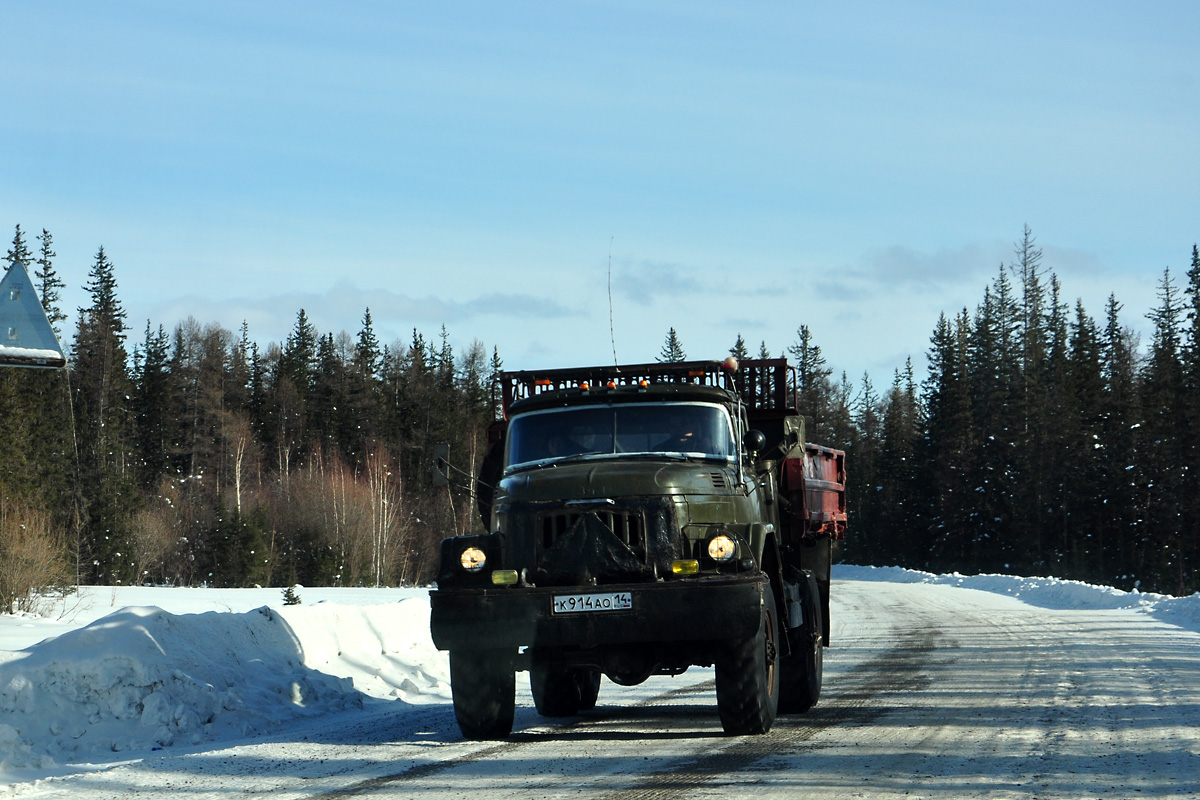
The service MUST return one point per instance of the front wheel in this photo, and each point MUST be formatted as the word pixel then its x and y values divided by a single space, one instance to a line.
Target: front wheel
pixel 484 690
pixel 748 676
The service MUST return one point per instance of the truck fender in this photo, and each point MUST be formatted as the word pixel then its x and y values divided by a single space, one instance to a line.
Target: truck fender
pixel 770 563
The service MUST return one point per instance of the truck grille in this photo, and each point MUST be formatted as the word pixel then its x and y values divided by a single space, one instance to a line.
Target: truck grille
pixel 628 528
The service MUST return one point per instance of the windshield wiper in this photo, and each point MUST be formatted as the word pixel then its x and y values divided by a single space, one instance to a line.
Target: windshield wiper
pixel 676 455
pixel 554 461
pixel 638 456
pixel 648 455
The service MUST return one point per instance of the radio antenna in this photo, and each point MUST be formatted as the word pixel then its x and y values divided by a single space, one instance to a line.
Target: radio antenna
pixel 611 331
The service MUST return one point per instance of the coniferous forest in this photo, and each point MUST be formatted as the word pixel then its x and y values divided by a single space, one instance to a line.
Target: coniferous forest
pixel 1040 441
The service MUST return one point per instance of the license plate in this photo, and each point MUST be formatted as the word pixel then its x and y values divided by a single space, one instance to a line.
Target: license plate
pixel 573 603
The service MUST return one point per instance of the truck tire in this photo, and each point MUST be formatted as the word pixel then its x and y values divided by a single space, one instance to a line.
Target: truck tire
pixel 589 688
pixel 748 676
pixel 825 625
pixel 564 692
pixel 484 689
pixel 555 691
pixel 801 670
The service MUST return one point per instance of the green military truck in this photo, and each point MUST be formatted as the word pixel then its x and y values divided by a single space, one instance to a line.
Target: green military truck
pixel 642 520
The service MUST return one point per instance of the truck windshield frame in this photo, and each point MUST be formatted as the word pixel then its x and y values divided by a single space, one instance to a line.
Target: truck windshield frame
pixel 613 431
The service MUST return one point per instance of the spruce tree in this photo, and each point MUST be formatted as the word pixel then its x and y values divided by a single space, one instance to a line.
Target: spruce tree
pixel 19 250
pixel 860 495
pixel 672 349
pixel 258 393
pixel 1085 452
pixel 444 362
pixel 328 411
pixel 48 282
pixel 1162 538
pixel 419 357
pixel 362 386
pixel 812 378
pixel 292 387
pixel 473 379
pixel 991 381
pixel 953 532
pixel 494 372
pixel 1061 433
pixel 1191 413
pixel 1121 428
pixel 842 432
pixel 366 353
pixel 1032 480
pixel 1191 343
pixel 739 350
pixel 237 388
pixel 1028 267
pixel 152 404
pixel 298 361
pixel 101 387
pixel 901 504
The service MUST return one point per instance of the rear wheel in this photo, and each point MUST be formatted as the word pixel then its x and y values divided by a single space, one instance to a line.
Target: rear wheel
pixel 564 692
pixel 748 676
pixel 555 691
pixel 484 690
pixel 800 681
pixel 589 688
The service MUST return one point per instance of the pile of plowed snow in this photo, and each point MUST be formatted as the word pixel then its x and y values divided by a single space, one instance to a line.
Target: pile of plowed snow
pixel 142 679
pixel 1056 593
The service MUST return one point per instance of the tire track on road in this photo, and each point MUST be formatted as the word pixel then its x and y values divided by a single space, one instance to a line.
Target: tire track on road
pixel 899 669
pixel 850 703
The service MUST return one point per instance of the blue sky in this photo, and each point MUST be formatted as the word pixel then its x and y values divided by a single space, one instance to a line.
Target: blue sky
pixel 743 168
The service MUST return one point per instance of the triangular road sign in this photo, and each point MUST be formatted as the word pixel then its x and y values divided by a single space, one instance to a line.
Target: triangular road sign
pixel 26 336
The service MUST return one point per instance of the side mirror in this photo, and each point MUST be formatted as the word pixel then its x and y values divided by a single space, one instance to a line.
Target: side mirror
pixel 441 464
pixel 754 442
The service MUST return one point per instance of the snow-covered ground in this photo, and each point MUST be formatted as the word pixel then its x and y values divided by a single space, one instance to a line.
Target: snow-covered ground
pixel 112 676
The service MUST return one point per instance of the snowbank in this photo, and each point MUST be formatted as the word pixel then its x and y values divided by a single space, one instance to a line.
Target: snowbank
pixel 1054 593
pixel 142 679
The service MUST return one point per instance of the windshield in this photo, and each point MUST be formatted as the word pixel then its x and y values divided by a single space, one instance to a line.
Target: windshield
pixel 689 429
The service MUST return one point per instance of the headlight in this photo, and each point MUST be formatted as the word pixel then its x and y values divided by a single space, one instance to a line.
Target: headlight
pixel 473 559
pixel 721 548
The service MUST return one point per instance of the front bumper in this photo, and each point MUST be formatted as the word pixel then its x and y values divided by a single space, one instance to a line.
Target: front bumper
pixel 697 610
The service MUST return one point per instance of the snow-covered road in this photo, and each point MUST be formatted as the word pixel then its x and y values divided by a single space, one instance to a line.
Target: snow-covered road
pixel 930 691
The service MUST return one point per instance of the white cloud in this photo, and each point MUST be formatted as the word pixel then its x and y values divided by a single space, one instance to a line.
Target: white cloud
pixel 647 281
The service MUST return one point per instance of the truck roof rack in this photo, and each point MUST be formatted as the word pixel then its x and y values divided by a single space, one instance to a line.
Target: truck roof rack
pixel 766 385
